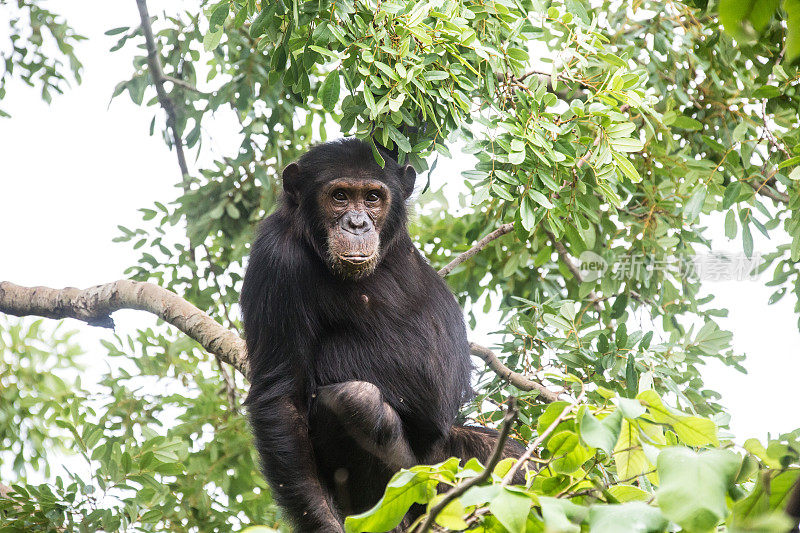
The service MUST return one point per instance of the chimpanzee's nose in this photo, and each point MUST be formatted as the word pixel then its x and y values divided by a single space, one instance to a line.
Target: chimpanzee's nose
pixel 356 222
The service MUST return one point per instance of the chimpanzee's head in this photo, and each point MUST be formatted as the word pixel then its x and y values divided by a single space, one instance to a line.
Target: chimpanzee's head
pixel 350 207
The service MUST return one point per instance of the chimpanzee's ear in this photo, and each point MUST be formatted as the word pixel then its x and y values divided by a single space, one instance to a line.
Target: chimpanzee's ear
pixel 291 181
pixel 408 176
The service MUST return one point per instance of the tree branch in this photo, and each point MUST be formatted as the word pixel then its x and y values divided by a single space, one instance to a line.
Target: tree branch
pixel 515 378
pixel 95 305
pixel 159 78
pixel 764 190
pixel 563 254
pixel 538 440
pixel 480 245
pixel 535 444
pixel 157 74
pixel 497 453
pixel 182 83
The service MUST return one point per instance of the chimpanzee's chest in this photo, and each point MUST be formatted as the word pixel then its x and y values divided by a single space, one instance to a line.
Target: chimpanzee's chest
pixel 385 340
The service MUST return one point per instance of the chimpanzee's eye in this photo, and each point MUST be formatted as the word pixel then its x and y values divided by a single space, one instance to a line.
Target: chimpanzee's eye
pixel 373 196
pixel 339 195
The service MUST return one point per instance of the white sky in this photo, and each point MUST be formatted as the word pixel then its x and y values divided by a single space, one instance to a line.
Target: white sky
pixel 72 171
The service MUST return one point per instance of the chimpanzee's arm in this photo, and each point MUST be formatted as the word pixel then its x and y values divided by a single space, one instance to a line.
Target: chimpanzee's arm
pixel 281 433
pixel 360 409
pixel 280 332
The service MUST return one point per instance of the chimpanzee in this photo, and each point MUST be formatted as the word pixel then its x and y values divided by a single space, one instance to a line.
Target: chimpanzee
pixel 358 353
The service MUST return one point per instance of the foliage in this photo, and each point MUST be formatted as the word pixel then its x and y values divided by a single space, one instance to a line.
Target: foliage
pixel 33 32
pixel 600 130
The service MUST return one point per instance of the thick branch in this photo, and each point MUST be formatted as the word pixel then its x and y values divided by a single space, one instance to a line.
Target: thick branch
pixel 480 245
pixel 95 305
pixel 157 74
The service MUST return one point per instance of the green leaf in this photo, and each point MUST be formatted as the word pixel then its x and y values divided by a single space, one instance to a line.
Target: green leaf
pixel 452 516
pixel 211 40
pixel 377 154
pixel 789 162
pixel 399 138
pixel 540 198
pixel 747 240
pixel 601 434
pixel 766 91
pixel 626 144
pixel 527 214
pixel 771 493
pixel 562 515
pixel 627 493
pixel 691 430
pixel 695 204
pixel 731 194
pixel 370 101
pixel 516 158
pixel 501 192
pixel 694 486
pixel 329 91
pixel 792 8
pixel 627 167
pixel 633 517
pixel 511 509
pixel 219 15
pixel 730 224
pixel 406 488
pixel 262 21
pixel 567 452
pixel 686 123
pixel 628 454
pixel 631 377
pixel 324 51
pixel 740 131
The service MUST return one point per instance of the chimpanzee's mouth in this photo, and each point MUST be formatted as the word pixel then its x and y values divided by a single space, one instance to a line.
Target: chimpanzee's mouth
pixel 356 259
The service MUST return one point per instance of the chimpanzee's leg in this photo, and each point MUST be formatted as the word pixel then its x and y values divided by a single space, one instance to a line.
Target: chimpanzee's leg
pixel 466 442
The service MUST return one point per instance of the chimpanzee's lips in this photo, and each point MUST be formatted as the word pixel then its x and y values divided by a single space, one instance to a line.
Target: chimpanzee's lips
pixel 356 258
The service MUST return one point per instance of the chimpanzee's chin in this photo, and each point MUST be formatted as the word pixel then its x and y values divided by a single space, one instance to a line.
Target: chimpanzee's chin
pixel 353 268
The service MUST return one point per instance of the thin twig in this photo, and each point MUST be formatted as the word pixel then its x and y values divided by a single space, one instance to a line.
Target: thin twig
pixel 538 440
pixel 491 359
pixel 157 74
pixel 480 245
pixel 182 83
pixel 515 378
pixel 159 78
pixel 764 190
pixel 563 254
pixel 497 453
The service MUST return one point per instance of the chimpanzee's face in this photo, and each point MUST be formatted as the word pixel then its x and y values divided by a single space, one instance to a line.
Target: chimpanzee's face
pixel 354 210
pixel 350 208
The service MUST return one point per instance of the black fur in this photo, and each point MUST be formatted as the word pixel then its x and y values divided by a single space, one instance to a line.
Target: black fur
pixel 399 328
